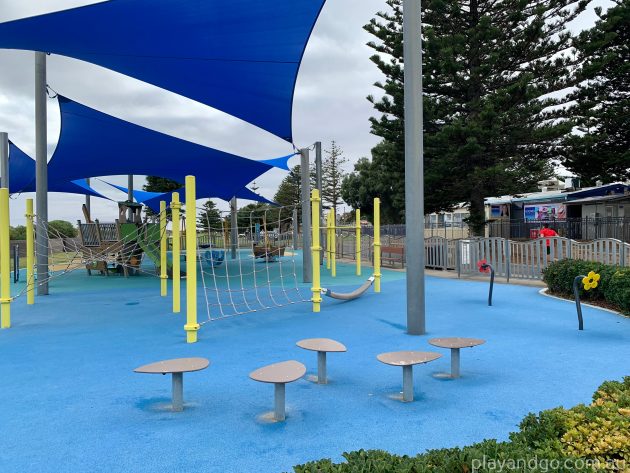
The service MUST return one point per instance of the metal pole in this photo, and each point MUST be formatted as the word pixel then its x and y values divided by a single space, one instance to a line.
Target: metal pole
pixel 4 160
pixel 321 368
pixel 87 199
pixel 41 173
pixel 294 219
pixel 130 196
pixel 318 184
pixel 234 227
pixel 307 260
pixel 414 168
pixel 178 392
pixel 407 383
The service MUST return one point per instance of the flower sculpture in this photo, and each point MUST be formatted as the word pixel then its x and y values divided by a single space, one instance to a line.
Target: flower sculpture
pixel 483 266
pixel 590 281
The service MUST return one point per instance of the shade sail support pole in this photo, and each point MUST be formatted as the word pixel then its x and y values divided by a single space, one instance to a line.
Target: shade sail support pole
pixel 307 259
pixel 234 227
pixel 4 160
pixel 41 173
pixel 318 180
pixel 414 168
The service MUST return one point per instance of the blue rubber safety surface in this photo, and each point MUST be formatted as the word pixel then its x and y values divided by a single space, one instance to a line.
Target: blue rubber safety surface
pixel 70 402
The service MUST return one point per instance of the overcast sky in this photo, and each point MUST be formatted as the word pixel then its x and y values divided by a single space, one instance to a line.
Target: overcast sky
pixel 335 77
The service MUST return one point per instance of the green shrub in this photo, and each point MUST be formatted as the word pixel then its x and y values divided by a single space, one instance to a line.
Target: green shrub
pixel 17 233
pixel 617 289
pixel 61 229
pixel 543 442
pixel 613 287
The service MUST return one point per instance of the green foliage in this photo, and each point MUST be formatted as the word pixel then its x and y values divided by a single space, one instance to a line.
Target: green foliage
pixel 290 190
pixel 613 287
pixel 617 289
pixel 333 175
pixel 209 217
pixel 601 107
pixel 160 184
pixel 17 233
pixel 490 79
pixel 61 229
pixel 548 442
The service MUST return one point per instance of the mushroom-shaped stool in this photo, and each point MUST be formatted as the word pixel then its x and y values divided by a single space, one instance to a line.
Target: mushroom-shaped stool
pixel 177 367
pixel 279 374
pixel 321 346
pixel 407 359
pixel 455 343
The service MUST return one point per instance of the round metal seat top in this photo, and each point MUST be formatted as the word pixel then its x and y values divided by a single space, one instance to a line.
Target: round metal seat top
pixel 284 372
pixel 321 344
pixel 456 342
pixel 177 365
pixel 407 358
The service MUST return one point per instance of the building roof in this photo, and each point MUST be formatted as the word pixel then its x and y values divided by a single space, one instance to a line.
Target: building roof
pixel 615 188
pixel 604 198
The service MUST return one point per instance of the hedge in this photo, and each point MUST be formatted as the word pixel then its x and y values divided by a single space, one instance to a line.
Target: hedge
pixel 613 288
pixel 553 441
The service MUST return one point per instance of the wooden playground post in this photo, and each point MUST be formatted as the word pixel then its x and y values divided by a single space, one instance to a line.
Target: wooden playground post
pixel 163 274
pixel 377 244
pixel 316 289
pixel 5 261
pixel 30 253
pixel 175 206
pixel 357 243
pixel 191 326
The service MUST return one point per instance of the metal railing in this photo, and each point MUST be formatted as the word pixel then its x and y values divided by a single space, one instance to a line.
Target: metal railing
pixel 587 228
pixel 528 259
pixel 509 258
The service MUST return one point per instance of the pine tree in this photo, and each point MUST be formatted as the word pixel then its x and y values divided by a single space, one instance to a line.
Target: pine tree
pixel 601 111
pixel 161 184
pixel 209 217
pixel 290 190
pixel 333 175
pixel 489 66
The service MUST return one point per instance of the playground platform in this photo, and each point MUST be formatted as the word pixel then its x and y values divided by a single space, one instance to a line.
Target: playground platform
pixel 70 401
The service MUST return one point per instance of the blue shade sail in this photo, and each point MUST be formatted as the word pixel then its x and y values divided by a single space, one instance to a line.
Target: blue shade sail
pixel 92 143
pixel 139 195
pixel 22 177
pixel 152 199
pixel 238 56
pixel 281 163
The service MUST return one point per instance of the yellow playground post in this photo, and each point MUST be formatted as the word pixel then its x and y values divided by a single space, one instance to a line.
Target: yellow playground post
pixel 377 244
pixel 191 326
pixel 328 238
pixel 333 244
pixel 175 206
pixel 357 240
pixel 5 261
pixel 316 289
pixel 30 253
pixel 163 274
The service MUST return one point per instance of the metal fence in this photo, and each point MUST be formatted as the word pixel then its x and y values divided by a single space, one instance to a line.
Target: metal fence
pixel 509 258
pixel 586 228
pixel 528 259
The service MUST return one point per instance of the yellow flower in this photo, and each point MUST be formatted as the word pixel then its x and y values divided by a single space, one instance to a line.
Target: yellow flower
pixel 590 281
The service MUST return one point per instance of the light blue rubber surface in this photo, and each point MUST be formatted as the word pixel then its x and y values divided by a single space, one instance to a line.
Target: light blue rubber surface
pixel 69 401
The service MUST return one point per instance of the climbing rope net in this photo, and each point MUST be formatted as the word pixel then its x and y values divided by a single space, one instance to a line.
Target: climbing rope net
pixel 251 266
pixel 100 247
